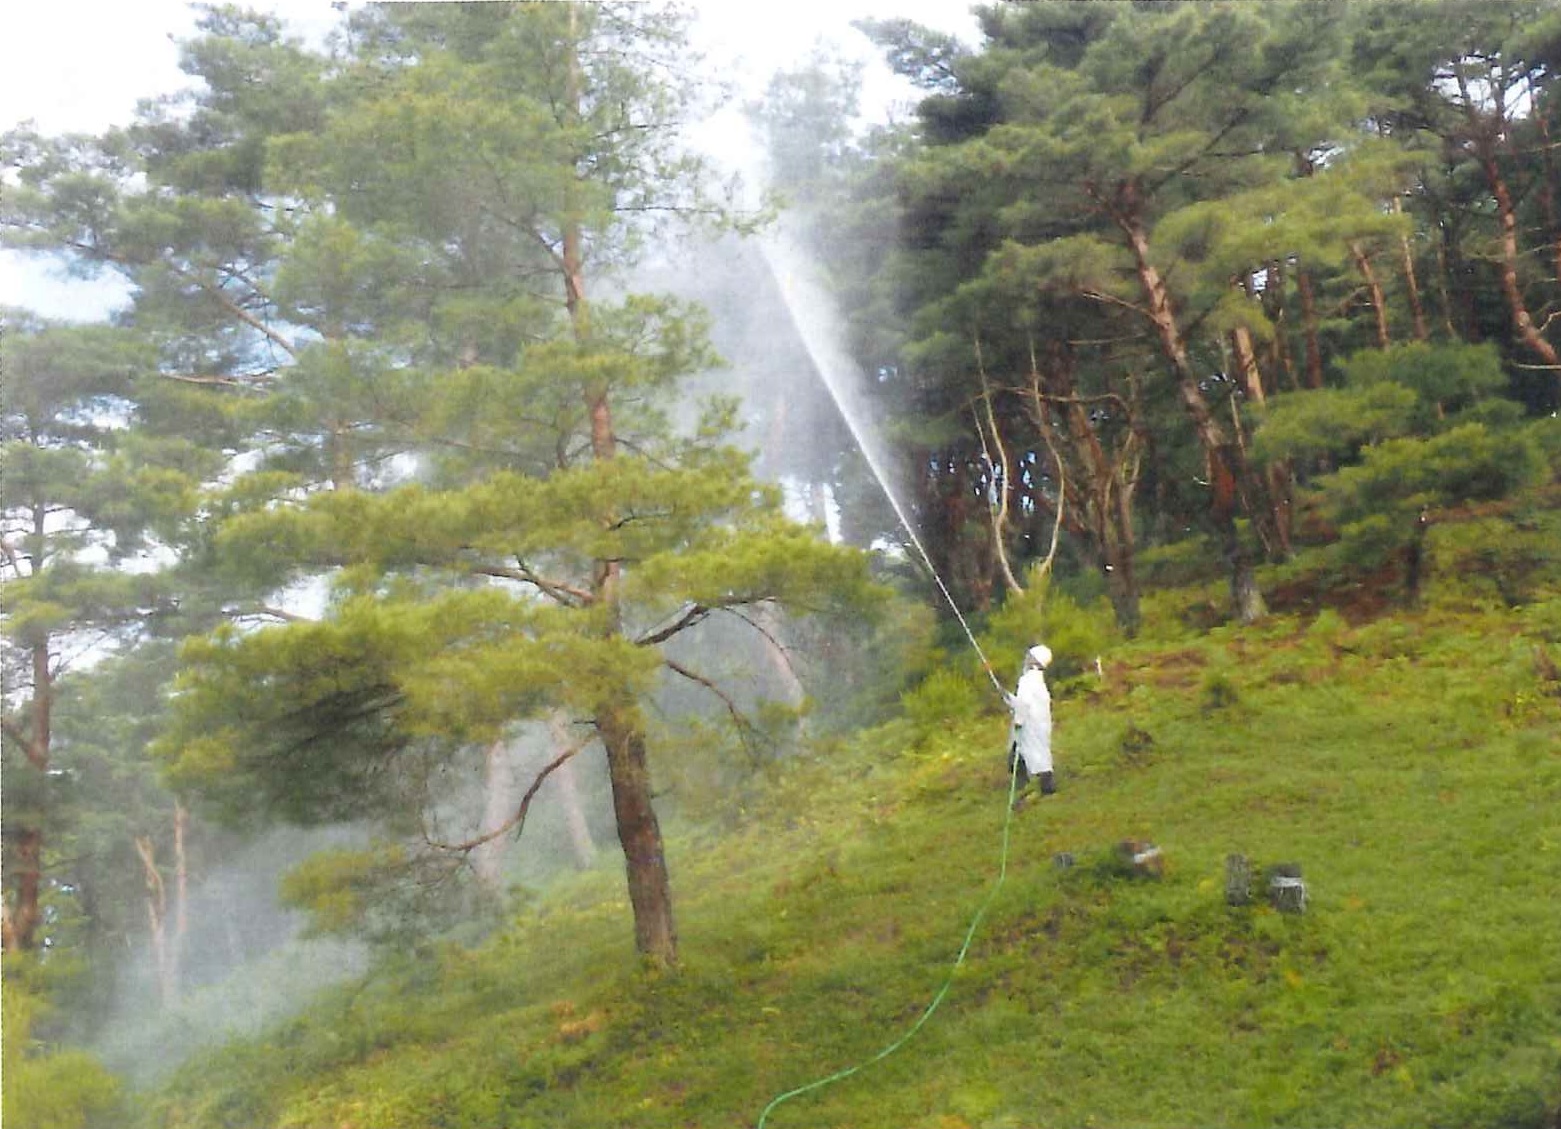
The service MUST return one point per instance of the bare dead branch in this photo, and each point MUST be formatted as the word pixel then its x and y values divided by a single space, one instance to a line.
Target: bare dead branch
pixel 1000 517
pixel 1062 479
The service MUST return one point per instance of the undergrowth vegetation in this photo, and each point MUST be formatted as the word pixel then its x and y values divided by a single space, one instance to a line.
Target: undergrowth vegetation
pixel 1409 763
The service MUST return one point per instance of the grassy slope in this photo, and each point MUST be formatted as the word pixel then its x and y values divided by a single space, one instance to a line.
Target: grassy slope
pixel 1412 766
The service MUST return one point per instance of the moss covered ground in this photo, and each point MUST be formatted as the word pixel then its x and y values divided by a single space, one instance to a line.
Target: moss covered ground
pixel 1410 763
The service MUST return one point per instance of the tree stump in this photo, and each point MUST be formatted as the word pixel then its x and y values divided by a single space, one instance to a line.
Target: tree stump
pixel 1140 859
pixel 1238 880
pixel 1137 746
pixel 1286 891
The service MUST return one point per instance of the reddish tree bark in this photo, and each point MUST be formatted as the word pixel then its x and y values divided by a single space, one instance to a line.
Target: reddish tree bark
pixel 1379 305
pixel 1411 280
pixel 1314 353
pixel 1229 475
pixel 1099 485
pixel 1485 131
pixel 639 834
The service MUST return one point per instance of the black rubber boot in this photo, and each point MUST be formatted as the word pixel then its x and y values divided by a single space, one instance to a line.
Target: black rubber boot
pixel 1016 767
pixel 1048 784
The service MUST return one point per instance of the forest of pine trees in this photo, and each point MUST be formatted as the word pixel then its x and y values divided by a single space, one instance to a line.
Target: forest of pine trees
pixel 389 497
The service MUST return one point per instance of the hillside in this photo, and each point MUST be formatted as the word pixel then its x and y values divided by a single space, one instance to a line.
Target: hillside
pixel 523 401
pixel 1411 764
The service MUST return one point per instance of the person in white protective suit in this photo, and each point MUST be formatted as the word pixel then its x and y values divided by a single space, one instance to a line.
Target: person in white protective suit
pixel 1031 739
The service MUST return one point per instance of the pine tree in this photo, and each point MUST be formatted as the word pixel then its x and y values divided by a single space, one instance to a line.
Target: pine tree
pixel 1474 79
pixel 446 216
pixel 86 490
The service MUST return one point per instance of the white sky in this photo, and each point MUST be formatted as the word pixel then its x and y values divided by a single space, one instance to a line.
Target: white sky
pixel 82 65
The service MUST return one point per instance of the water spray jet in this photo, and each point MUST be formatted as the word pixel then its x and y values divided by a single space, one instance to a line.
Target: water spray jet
pixel 817 325
pixel 812 315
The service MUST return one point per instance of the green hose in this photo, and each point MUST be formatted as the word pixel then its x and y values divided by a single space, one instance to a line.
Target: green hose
pixel 975 922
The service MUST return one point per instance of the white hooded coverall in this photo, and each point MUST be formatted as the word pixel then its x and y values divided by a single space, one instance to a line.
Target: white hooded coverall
pixel 1032 706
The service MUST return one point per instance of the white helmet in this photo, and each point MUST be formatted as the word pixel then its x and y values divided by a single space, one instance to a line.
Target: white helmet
pixel 1038 656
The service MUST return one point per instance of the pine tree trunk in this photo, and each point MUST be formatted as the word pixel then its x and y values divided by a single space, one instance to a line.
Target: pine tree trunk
pixel 1228 469
pixel 1121 583
pixel 581 846
pixel 1547 187
pixel 580 842
pixel 818 504
pixel 1276 474
pixel 1486 134
pixel 1314 353
pixel 639 833
pixel 1100 490
pixel 499 801
pixel 339 453
pixel 1246 365
pixel 1245 597
pixel 157 918
pixel 1281 488
pixel 181 905
pixel 1411 280
pixel 1379 305
pixel 22 916
pixel 1274 307
pixel 650 892
pixel 771 629
pixel 1001 473
pixel 1522 320
pixel 1445 282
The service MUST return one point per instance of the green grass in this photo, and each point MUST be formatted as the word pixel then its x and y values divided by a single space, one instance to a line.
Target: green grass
pixel 1411 765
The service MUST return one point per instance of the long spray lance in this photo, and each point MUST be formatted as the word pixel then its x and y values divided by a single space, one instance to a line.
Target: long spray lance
pixel 815 324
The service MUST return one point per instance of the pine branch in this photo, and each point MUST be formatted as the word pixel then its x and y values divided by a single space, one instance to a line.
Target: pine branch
pixel 769 636
pixel 630 519
pixel 556 590
pixel 216 293
pixel 745 727
pixel 516 822
pixel 221 297
pixel 269 612
pixel 1236 119
pixel 690 615
pixel 1113 300
pixel 1102 398
pixel 241 383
